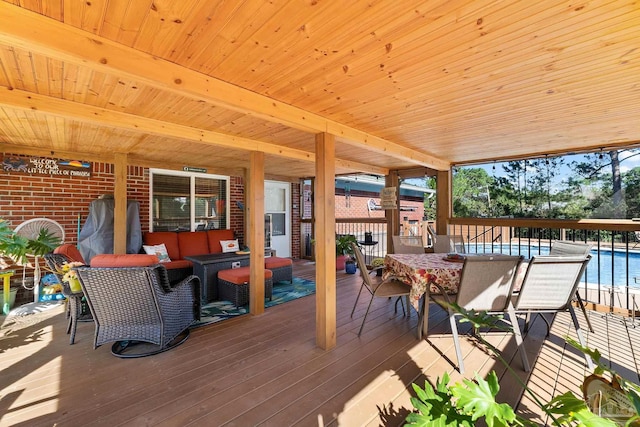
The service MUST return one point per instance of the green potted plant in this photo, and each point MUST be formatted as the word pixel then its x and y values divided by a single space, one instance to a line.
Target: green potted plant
pixel 377 264
pixel 343 249
pixel 14 250
pixel 17 247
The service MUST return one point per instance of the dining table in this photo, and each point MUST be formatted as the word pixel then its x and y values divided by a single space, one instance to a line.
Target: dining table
pixel 423 272
pixel 429 272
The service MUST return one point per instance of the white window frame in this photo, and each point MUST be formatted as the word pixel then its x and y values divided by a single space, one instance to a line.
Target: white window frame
pixel 192 196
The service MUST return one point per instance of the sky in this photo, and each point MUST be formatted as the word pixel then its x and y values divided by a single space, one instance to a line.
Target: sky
pixel 625 166
pixel 565 170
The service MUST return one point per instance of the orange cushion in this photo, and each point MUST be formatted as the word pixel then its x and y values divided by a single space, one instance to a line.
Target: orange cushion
pixel 170 240
pixel 214 237
pixel 71 251
pixel 240 275
pixel 178 263
pixel 129 260
pixel 276 262
pixel 192 243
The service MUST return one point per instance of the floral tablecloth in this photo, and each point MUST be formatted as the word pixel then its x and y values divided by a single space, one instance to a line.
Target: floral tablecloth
pixel 422 270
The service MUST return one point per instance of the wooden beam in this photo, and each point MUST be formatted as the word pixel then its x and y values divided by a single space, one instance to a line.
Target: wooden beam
pixel 255 211
pixel 120 210
pixel 76 111
pixel 115 119
pixel 27 30
pixel 109 158
pixel 443 201
pixel 325 246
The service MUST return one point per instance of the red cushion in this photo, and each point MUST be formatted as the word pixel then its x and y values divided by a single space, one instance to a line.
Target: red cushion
pixel 192 243
pixel 276 262
pixel 240 275
pixel 215 236
pixel 129 260
pixel 71 251
pixel 178 263
pixel 170 240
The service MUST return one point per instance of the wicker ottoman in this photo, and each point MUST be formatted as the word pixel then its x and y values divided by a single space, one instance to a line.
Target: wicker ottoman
pixel 233 285
pixel 282 268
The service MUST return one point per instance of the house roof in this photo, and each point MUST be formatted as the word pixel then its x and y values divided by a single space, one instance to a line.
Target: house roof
pixel 399 83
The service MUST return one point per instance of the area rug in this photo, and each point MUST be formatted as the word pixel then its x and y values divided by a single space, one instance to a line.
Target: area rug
pixel 218 311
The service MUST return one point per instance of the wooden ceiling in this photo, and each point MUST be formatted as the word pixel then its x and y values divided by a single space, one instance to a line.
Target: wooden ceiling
pixel 400 83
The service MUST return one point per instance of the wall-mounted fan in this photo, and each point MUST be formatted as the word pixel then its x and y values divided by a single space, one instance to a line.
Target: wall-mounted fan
pixel 31 230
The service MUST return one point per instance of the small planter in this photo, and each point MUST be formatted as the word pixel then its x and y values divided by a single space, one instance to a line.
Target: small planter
pixel 350 267
pixel 12 298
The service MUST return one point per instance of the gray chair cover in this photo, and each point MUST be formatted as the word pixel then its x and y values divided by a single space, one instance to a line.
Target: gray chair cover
pixel 96 237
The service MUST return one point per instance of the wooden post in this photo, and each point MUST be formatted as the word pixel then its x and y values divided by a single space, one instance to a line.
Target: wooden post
pixel 392 215
pixel 120 209
pixel 255 210
pixel 444 206
pixel 325 229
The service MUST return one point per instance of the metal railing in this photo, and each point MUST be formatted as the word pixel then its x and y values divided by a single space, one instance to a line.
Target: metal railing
pixel 610 278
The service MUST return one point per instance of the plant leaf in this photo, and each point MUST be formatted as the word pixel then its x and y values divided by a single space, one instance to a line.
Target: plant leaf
pixel 478 399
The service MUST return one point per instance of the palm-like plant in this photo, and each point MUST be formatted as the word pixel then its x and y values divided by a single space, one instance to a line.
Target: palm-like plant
pixel 17 247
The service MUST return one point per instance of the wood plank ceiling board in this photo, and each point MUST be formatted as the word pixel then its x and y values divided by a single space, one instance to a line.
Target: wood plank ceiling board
pixel 399 84
pixel 193 84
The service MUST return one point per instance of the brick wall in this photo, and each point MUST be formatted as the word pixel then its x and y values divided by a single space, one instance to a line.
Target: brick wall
pixel 66 200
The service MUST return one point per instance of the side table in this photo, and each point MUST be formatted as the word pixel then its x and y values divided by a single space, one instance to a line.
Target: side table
pixel 368 249
pixel 206 267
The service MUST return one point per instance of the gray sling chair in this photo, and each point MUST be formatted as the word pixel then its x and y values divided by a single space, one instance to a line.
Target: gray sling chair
pixel 445 243
pixel 408 245
pixel 562 248
pixel 549 286
pixel 386 288
pixel 486 283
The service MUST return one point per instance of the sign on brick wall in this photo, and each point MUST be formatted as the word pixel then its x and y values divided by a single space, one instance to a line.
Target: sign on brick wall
pixel 45 166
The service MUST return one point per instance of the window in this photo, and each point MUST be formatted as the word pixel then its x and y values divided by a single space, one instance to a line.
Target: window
pixel 182 201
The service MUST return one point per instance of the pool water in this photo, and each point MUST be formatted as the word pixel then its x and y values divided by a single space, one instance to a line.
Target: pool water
pixel 601 269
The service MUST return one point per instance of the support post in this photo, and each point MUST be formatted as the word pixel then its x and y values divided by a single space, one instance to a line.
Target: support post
pixel 443 205
pixel 255 210
pixel 120 200
pixel 325 229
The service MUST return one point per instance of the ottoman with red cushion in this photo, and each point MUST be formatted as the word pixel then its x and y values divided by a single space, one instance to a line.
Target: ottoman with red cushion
pixel 282 268
pixel 233 285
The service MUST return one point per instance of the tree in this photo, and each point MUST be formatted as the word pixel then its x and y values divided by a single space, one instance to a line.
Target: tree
pixel 631 182
pixel 471 195
pixel 611 201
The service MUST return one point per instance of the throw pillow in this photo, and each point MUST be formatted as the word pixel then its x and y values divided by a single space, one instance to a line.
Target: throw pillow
pixel 230 245
pixel 158 250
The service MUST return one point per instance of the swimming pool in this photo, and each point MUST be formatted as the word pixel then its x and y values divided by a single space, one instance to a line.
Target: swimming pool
pixel 601 269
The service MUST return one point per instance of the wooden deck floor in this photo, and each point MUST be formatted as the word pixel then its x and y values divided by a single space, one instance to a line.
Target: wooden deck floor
pixel 267 370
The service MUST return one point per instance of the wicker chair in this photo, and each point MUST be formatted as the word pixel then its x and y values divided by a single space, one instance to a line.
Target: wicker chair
pixel 55 262
pixel 138 309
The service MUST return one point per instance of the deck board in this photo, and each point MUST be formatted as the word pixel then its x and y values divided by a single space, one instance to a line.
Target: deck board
pixel 266 370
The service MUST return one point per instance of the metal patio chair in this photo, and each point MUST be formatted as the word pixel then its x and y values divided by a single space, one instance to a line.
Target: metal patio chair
pixel 445 243
pixel 407 245
pixel 486 283
pixel 549 285
pixel 385 288
pixel 562 248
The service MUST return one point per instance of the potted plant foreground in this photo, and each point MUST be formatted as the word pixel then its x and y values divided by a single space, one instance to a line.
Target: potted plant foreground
pixel 14 249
